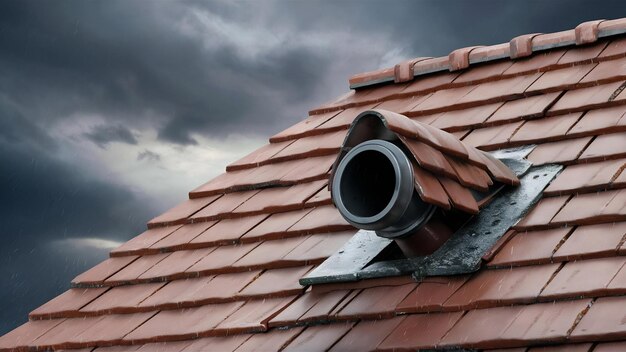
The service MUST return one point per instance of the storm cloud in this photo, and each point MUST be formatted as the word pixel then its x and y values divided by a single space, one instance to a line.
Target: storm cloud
pixel 110 111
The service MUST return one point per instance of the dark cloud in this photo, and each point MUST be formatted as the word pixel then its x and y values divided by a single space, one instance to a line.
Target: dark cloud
pixel 148 156
pixel 102 135
pixel 182 70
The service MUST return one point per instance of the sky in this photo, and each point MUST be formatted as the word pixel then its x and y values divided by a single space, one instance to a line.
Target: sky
pixel 111 111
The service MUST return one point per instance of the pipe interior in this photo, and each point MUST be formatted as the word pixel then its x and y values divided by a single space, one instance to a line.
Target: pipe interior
pixel 368 183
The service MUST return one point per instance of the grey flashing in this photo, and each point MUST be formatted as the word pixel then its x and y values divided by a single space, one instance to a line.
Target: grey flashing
pixel 462 253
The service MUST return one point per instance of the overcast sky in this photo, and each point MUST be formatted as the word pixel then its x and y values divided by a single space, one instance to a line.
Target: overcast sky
pixel 111 111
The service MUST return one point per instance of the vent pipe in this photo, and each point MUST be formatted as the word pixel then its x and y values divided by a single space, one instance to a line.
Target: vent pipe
pixel 374 189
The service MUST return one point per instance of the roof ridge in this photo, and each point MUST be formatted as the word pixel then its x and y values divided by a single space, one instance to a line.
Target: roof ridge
pixel 518 47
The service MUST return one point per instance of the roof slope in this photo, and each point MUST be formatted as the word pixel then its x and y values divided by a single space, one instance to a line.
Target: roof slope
pixel 220 271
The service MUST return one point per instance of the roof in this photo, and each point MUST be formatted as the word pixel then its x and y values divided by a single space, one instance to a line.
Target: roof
pixel 220 271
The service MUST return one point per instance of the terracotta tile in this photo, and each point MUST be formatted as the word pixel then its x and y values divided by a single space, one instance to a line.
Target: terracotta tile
pixel 254 315
pixel 429 188
pixel 558 152
pixel 429 158
pixel 585 347
pixel 323 144
pixel 580 99
pixel 536 62
pixel 308 169
pixel 144 240
pixel 506 87
pixel 319 246
pixel 457 119
pixel 136 268
pixel 67 304
pixel 181 237
pixel 191 322
pixel 222 183
pixel 562 78
pixel 471 176
pixel 442 99
pixel 606 146
pixel 585 53
pixel 277 283
pixel 530 247
pixel 320 219
pixel 228 230
pixel 122 299
pixel 318 338
pixel 220 343
pixel 592 241
pixel 460 197
pixel 607 71
pixel 376 303
pixel 304 127
pixel 604 320
pixel 431 82
pixel 367 335
pixel 203 290
pixel 345 118
pixel 225 205
pixel 593 207
pixel 420 331
pixel 605 120
pixel 492 136
pixel 119 348
pixel 616 48
pixel 618 283
pixel 175 264
pixel 174 346
pixel 520 349
pixel 275 226
pixel 585 177
pixel 504 286
pixel 180 213
pixel 274 340
pixel 81 332
pixel 430 294
pixel 586 278
pixel 310 307
pixel 25 334
pixel 269 254
pixel 321 197
pixel 546 129
pixel 258 156
pixel 530 107
pixel 482 72
pixel 221 258
pixel 401 105
pixel 280 198
pixel 543 212
pixel 610 347
pixel 515 326
pixel 104 270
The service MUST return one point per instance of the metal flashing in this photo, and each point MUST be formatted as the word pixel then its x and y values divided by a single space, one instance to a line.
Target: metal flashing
pixel 462 253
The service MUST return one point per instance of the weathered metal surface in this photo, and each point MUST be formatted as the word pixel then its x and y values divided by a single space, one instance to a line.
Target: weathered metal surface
pixel 346 264
pixel 463 252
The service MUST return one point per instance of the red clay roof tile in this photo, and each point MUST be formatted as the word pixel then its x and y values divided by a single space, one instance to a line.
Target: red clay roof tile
pixel 559 152
pixel 606 146
pixel 502 286
pixel 535 247
pixel 122 299
pixel 592 241
pixel 604 320
pixel 274 340
pixel 180 213
pixel 430 294
pixel 103 271
pixel 585 278
pixel 375 303
pixel 67 303
pixel 318 338
pixel 366 335
pixel 418 331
